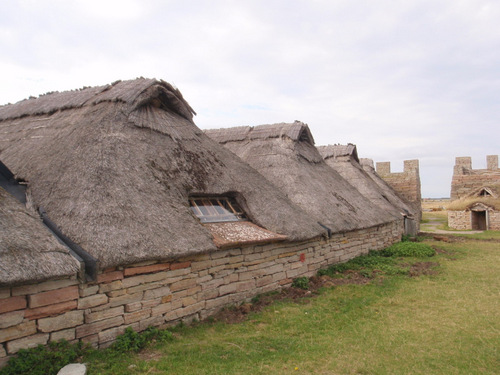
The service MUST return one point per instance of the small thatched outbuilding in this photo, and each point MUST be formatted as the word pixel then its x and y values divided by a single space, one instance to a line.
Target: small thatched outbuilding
pixel 344 159
pixel 285 154
pixel 479 210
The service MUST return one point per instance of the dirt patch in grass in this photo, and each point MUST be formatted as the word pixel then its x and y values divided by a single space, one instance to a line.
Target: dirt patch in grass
pixel 348 277
pixel 237 314
pixel 449 252
pixel 448 238
pixel 423 268
pixel 457 237
pixel 443 237
pixel 150 355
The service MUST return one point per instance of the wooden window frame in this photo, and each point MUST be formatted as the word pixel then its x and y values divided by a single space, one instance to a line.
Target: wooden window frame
pixel 216 209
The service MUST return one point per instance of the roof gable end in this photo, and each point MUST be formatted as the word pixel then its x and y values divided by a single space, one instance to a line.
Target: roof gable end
pixel 136 93
pixel 296 131
pixel 337 151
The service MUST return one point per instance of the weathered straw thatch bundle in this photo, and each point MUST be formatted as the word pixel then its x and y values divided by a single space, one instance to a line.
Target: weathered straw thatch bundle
pixel 390 193
pixel 489 196
pixel 479 210
pixel 114 167
pixel 28 251
pixel 286 155
pixel 344 159
pixel 367 165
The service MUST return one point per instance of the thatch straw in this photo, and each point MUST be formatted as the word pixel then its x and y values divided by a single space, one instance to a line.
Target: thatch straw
pixel 392 195
pixel 339 152
pixel 28 251
pixel 240 233
pixel 492 201
pixel 114 167
pixel 466 203
pixel 285 154
pixel 344 159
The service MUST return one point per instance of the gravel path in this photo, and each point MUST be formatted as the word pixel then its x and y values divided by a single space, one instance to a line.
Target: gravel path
pixel 431 227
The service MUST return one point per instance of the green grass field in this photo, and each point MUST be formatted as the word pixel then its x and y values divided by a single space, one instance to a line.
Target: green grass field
pixel 434 220
pixel 439 220
pixel 448 323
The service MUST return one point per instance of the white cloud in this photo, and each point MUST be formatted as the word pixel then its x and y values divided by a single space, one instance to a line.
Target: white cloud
pixel 122 10
pixel 403 80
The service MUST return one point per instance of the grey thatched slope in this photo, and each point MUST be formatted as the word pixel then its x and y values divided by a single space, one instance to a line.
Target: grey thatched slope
pixel 344 159
pixel 28 251
pixel 285 154
pixel 487 195
pixel 387 190
pixel 348 152
pixel 113 166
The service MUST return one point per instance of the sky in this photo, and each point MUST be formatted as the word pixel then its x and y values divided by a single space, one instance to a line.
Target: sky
pixel 402 80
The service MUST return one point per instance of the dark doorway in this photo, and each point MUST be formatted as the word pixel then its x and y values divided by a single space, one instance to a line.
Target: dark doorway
pixel 478 219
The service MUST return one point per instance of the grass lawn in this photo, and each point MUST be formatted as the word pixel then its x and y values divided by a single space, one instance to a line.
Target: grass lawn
pixel 434 220
pixel 441 216
pixel 486 235
pixel 448 323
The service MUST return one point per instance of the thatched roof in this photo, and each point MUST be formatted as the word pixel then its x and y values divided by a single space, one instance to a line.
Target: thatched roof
pixel 344 159
pixel 477 197
pixel 114 166
pixel 238 233
pixel 28 251
pixel 285 154
pixel 339 152
pixel 386 189
pixel 295 131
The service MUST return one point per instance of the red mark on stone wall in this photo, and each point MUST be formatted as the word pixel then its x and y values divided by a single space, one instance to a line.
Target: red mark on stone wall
pixel 302 257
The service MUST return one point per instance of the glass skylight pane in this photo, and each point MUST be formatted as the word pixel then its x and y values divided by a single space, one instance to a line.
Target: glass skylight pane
pixel 212 210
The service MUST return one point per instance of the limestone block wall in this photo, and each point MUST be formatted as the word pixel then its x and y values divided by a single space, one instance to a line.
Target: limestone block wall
pixel 164 293
pixel 406 183
pixel 462 220
pixel 492 162
pixel 466 180
pixel 494 220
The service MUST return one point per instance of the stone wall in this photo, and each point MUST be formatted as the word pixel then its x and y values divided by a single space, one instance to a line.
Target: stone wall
pixel 494 220
pixel 466 180
pixel 462 220
pixel 164 293
pixel 406 183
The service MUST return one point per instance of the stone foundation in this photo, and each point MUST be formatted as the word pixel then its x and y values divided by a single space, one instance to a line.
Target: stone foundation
pixel 462 220
pixel 165 293
pixel 494 220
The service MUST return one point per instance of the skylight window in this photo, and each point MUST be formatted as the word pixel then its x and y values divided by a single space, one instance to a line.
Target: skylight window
pixel 216 209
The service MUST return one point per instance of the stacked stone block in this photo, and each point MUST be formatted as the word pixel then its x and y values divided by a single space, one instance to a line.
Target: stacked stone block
pixel 494 220
pixel 462 220
pixel 467 180
pixel 492 162
pixel 406 183
pixel 164 293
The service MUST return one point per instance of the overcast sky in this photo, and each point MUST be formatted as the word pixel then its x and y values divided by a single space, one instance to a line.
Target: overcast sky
pixel 402 79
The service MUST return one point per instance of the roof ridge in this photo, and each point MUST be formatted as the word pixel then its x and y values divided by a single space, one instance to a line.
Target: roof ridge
pixel 128 91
